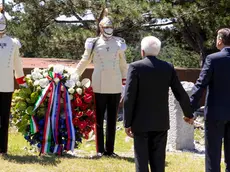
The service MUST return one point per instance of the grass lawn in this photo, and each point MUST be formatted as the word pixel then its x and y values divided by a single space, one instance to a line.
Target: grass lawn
pixel 20 159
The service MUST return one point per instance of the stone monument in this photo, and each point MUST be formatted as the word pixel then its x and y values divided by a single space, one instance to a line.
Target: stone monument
pixel 181 134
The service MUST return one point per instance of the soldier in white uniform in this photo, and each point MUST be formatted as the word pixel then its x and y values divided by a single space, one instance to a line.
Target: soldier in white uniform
pixel 10 65
pixel 110 69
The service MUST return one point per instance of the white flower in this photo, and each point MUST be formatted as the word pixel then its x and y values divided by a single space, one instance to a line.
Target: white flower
pixel 36 75
pixel 86 82
pixel 58 69
pixel 70 70
pixel 71 97
pixel 79 91
pixel 56 80
pixel 28 76
pixel 66 75
pixel 70 83
pixel 71 90
pixel 37 70
pixel 45 74
pixel 36 82
pixel 78 83
pixel 74 77
pixel 43 82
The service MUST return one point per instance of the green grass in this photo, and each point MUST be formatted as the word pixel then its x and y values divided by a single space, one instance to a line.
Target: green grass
pixel 19 159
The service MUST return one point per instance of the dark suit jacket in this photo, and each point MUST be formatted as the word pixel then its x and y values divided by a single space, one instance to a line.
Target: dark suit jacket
pixel 215 76
pixel 146 95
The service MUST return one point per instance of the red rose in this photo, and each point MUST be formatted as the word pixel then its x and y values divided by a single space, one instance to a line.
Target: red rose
pixel 87 98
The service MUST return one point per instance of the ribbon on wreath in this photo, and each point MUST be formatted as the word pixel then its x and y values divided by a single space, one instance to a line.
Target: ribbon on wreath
pixel 52 120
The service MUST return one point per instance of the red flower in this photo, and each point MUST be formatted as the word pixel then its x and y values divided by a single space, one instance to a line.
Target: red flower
pixel 76 95
pixel 78 102
pixel 82 124
pixel 79 114
pixel 87 98
pixel 75 121
pixel 89 112
pixel 83 106
pixel 89 90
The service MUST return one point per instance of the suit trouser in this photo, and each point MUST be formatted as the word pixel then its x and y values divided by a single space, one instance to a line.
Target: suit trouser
pixel 111 103
pixel 215 132
pixel 5 103
pixel 150 147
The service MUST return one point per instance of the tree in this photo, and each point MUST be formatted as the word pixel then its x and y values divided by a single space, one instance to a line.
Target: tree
pixel 42 36
pixel 195 21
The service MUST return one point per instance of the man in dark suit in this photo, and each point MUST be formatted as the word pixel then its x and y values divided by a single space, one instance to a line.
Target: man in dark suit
pixel 146 112
pixel 215 76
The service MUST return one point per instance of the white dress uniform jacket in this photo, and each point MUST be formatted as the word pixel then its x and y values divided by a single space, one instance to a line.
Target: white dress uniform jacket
pixel 10 63
pixel 110 66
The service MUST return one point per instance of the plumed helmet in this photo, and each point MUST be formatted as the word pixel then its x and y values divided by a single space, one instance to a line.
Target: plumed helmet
pixel 106 22
pixel 2 23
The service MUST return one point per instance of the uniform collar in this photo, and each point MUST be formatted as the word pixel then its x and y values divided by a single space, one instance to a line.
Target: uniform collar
pixel 105 39
pixel 4 35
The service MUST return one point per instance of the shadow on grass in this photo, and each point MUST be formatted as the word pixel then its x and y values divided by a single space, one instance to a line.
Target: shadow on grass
pixel 30 159
pixel 129 159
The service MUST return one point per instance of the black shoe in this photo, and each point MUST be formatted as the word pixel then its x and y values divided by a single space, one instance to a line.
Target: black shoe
pixel 112 155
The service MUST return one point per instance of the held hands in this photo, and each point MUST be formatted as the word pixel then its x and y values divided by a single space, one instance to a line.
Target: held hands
pixel 188 120
pixel 129 132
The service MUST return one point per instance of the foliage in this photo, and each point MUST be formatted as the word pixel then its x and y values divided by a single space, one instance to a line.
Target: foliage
pixel 195 22
pixel 42 36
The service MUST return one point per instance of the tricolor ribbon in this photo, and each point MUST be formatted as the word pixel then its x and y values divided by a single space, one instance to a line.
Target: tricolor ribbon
pixel 33 125
pixel 52 119
pixel 69 124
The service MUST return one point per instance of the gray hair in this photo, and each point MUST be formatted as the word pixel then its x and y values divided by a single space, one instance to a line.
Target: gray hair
pixel 151 45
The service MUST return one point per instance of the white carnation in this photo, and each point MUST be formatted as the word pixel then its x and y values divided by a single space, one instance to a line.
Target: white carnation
pixel 37 70
pixel 70 83
pixel 36 82
pixel 36 75
pixel 43 82
pixel 45 74
pixel 58 69
pixel 28 76
pixel 66 75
